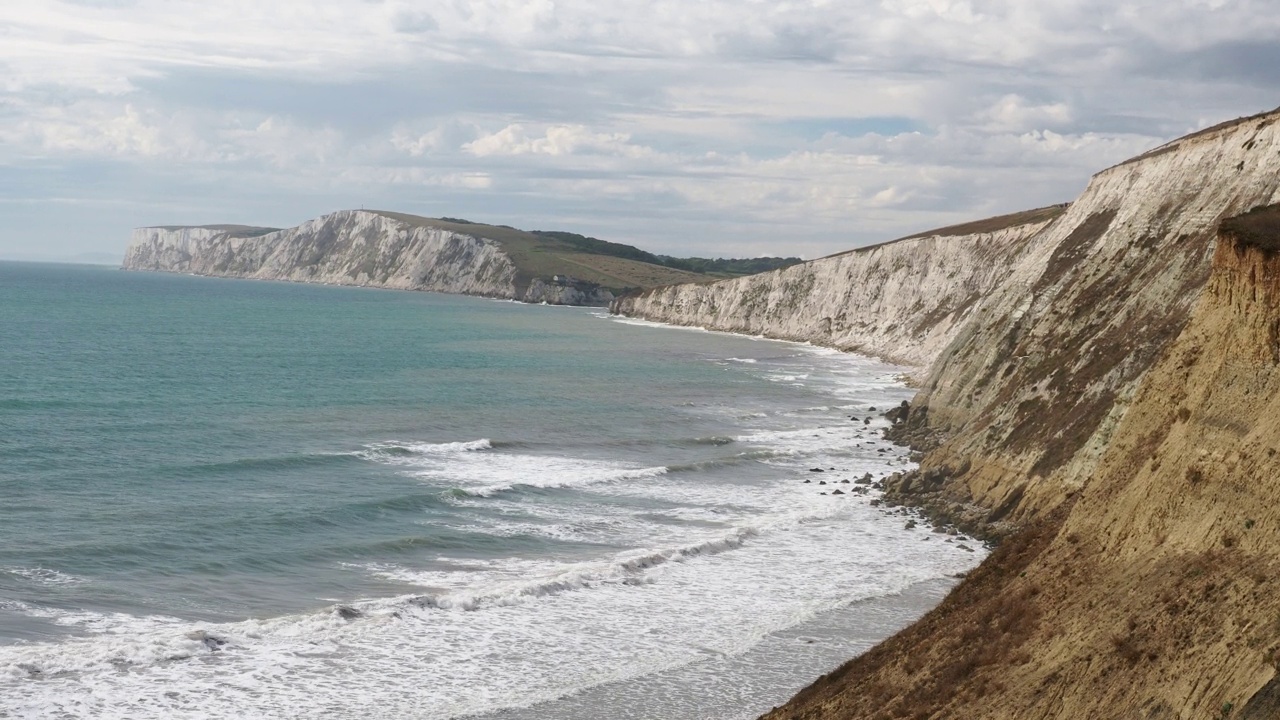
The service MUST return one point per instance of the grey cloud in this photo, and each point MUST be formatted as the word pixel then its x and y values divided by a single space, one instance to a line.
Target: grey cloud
pixel 414 22
pixel 788 43
pixel 604 68
pixel 441 90
pixel 1255 63
pixel 102 3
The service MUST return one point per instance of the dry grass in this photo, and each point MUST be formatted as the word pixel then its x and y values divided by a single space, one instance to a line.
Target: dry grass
pixel 1260 227
pixel 997 223
pixel 988 225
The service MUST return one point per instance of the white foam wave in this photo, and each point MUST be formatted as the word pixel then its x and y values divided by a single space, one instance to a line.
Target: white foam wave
pixel 467 466
pixel 45 576
pixel 573 478
pixel 787 378
pixel 627 568
pixel 500 635
pixel 622 319
pixel 734 557
pixel 397 452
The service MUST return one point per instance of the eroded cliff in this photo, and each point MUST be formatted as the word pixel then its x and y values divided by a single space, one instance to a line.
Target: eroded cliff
pixel 1112 402
pixel 1031 339
pixel 1155 592
pixel 903 301
pixel 1032 390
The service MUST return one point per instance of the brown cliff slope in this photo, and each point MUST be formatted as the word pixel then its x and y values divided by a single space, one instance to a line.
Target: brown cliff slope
pixel 1155 593
pixel 1031 390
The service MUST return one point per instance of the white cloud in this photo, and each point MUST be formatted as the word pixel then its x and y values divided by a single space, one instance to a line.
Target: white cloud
pixel 417 144
pixel 555 140
pixel 110 129
pixel 846 121
pixel 1013 112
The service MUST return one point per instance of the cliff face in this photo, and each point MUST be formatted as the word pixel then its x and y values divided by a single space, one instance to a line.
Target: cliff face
pixel 1155 594
pixel 1031 339
pixel 903 301
pixel 1115 394
pixel 352 248
pixel 1032 390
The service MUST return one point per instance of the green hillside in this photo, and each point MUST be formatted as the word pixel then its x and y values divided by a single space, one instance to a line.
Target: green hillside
pixel 545 254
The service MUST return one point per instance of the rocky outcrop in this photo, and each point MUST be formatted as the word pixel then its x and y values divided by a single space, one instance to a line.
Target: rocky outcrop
pixel 903 301
pixel 352 248
pixel 566 291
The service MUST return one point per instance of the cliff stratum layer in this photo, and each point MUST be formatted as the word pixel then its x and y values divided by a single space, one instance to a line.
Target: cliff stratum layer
pixel 903 300
pixel 1110 406
pixel 1155 593
pixel 393 250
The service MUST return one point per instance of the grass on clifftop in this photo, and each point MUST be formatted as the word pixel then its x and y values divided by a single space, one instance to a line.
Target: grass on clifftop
pixel 545 254
pixel 997 223
pixel 988 225
pixel 235 231
pixel 1260 227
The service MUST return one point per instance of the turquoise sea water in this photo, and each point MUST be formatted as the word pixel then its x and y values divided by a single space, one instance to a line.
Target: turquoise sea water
pixel 227 498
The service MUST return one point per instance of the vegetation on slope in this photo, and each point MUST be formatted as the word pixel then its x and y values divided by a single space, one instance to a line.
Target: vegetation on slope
pixel 998 223
pixel 719 267
pixel 546 253
pixel 541 257
pixel 235 231
pixel 1260 227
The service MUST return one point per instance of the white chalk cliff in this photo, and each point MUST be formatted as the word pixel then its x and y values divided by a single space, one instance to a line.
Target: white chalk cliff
pixel 351 247
pixel 1031 340
pixel 903 301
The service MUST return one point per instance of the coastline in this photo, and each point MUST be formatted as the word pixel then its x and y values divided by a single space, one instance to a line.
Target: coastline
pixel 746 686
pixel 657 618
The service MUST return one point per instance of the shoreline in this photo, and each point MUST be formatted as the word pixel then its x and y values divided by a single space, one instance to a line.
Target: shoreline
pixel 746 686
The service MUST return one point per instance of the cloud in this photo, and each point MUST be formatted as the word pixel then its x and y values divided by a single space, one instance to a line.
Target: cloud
pixel 554 140
pixel 1013 112
pixel 705 127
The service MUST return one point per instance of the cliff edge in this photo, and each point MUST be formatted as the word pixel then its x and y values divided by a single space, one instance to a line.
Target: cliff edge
pixel 1107 403
pixel 1030 393
pixel 399 251
pixel 903 301
pixel 1155 592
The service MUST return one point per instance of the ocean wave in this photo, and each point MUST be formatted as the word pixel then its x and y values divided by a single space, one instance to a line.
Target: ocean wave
pixel 712 440
pixel 550 483
pixel 119 641
pixel 622 319
pixel 731 460
pixel 628 569
pixel 394 451
pixel 808 410
pixel 45 576
pixel 787 378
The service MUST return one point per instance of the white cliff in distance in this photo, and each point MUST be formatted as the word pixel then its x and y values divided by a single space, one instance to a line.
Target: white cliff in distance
pixel 903 301
pixel 354 247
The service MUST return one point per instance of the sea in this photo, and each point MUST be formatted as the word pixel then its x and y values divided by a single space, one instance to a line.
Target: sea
pixel 244 499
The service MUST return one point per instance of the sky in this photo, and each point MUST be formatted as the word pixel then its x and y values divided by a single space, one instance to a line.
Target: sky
pixel 713 128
